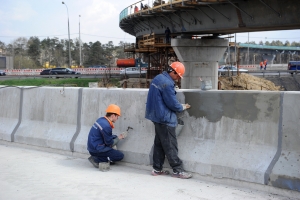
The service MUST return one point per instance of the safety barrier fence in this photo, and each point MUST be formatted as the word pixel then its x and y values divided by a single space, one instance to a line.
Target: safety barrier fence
pixel 113 71
pixel 81 70
pixel 145 6
pixel 117 70
pixel 248 67
pixel 248 136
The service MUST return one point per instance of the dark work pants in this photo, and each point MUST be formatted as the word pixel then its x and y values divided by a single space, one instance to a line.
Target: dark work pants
pixel 114 155
pixel 165 144
pixel 167 38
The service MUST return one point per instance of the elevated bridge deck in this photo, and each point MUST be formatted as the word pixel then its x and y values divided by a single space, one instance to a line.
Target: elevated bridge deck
pixel 194 17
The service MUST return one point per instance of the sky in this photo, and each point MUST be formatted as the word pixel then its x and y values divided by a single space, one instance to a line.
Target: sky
pixel 99 21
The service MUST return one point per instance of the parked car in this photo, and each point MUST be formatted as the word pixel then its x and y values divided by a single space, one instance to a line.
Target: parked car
pixel 2 73
pixel 294 65
pixel 133 72
pixel 63 71
pixel 225 69
pixel 45 72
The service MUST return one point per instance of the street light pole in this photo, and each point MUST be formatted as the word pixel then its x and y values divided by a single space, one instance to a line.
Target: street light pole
pixel 80 63
pixel 248 51
pixel 69 35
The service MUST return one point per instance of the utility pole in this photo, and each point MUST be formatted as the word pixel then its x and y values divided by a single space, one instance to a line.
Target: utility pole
pixel 70 60
pixel 80 62
pixel 248 51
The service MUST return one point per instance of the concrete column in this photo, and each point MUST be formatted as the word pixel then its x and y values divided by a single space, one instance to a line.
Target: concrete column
pixel 200 58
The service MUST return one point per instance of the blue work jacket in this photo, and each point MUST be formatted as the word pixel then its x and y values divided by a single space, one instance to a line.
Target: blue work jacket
pixel 100 137
pixel 162 104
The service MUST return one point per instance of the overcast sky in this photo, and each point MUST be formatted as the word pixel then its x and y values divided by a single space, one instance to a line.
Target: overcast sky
pixel 99 21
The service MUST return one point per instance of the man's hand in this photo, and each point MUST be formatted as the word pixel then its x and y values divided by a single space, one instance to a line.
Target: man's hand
pixel 123 135
pixel 186 106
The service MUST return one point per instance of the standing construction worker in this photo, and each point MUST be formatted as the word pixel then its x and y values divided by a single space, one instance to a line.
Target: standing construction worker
pixel 261 65
pixel 161 108
pixel 265 64
pixel 101 141
pixel 168 35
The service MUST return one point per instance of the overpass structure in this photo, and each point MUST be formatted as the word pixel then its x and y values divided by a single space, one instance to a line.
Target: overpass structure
pixel 199 27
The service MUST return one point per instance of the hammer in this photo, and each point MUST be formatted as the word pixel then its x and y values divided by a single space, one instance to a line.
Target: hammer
pixel 129 127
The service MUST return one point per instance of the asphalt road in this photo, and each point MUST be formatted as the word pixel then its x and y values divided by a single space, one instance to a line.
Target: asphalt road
pixel 260 73
pixel 9 77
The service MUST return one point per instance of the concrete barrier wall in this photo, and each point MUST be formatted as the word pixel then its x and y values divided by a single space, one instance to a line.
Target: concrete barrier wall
pixel 286 172
pixel 138 144
pixel 10 98
pixel 241 135
pixel 230 134
pixel 49 117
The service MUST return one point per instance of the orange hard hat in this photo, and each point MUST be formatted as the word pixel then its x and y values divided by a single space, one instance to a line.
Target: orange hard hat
pixel 112 108
pixel 178 68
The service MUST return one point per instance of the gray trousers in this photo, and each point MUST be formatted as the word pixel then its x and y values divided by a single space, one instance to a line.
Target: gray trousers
pixel 165 144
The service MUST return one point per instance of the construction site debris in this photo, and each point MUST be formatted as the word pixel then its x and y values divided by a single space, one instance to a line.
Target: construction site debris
pixel 247 82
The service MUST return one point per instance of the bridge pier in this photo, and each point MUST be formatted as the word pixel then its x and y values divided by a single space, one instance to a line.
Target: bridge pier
pixel 200 58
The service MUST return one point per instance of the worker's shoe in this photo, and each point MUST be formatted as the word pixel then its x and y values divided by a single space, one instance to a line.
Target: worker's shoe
pixel 91 159
pixel 112 163
pixel 182 174
pixel 162 172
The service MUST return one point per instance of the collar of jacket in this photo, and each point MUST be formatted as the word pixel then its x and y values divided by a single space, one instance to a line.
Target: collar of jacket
pixel 110 122
pixel 168 76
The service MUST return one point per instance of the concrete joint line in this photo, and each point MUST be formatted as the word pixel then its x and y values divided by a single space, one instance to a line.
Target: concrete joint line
pixel 20 115
pixel 279 145
pixel 78 127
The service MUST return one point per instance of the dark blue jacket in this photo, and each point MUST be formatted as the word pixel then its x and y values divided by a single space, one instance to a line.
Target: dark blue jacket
pixel 162 104
pixel 100 137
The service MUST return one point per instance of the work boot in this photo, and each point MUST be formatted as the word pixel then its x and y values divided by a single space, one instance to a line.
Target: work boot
pixel 91 159
pixel 182 174
pixel 161 172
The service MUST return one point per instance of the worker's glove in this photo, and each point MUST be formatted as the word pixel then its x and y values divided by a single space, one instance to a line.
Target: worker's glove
pixel 185 106
pixel 124 134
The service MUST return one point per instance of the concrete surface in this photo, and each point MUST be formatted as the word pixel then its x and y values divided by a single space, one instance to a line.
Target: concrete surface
pixel 286 169
pixel 9 111
pixel 200 58
pixel 33 174
pixel 228 135
pixel 233 136
pixel 49 117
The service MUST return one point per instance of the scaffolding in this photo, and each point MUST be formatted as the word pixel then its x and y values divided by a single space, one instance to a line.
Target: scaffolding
pixel 155 51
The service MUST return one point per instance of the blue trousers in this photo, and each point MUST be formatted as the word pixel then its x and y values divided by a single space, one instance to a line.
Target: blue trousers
pixel 165 145
pixel 113 155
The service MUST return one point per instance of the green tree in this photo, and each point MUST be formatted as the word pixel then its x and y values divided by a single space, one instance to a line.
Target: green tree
pixel 20 52
pixel 252 42
pixel 96 54
pixel 287 44
pixel 295 44
pixel 34 51
pixel 2 48
pixel 59 53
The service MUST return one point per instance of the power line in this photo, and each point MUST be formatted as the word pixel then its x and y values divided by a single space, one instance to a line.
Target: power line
pixel 272 38
pixel 101 36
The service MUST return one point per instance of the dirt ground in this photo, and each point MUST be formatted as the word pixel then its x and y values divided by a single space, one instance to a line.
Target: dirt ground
pixel 247 82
